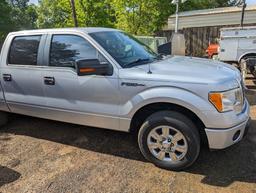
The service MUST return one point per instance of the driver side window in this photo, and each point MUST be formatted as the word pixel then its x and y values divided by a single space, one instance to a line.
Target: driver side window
pixel 66 49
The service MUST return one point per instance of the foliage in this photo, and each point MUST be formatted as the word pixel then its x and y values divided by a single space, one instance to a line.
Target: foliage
pixel 95 13
pixel 5 19
pixel 16 15
pixel 140 17
pixel 54 13
pixel 23 15
pixel 57 13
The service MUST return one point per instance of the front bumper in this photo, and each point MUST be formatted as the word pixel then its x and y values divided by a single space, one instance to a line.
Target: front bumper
pixel 222 138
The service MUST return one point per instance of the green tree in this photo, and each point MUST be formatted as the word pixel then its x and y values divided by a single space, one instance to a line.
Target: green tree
pixel 23 14
pixel 142 16
pixel 95 13
pixel 58 13
pixel 54 13
pixel 6 23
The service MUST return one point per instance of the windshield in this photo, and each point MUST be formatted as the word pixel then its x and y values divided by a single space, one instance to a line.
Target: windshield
pixel 124 48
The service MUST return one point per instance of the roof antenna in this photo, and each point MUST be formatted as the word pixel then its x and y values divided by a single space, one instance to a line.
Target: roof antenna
pixel 149 69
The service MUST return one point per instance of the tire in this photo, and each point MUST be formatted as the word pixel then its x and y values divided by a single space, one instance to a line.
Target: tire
pixel 252 70
pixel 254 73
pixel 250 66
pixel 182 125
pixel 243 67
pixel 3 118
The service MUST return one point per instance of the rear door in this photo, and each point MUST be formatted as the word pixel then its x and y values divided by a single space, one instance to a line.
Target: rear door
pixel 21 74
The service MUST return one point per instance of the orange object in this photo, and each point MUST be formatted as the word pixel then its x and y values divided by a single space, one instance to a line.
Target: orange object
pixel 212 50
pixel 87 69
pixel 216 100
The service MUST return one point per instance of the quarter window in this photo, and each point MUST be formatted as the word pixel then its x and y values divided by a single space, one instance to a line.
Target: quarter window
pixel 24 50
pixel 66 49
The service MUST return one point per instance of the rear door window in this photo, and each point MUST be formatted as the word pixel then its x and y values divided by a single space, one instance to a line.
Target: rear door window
pixel 24 50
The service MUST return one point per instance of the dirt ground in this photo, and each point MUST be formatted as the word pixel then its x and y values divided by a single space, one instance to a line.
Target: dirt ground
pixel 39 155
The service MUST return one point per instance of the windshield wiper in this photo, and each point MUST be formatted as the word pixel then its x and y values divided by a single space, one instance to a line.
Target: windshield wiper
pixel 137 61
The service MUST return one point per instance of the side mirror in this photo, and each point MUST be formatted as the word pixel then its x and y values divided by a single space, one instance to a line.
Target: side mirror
pixel 93 67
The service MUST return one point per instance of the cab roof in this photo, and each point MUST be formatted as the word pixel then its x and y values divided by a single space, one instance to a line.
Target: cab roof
pixel 75 29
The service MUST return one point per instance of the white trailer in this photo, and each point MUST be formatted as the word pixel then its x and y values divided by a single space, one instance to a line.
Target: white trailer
pixel 238 45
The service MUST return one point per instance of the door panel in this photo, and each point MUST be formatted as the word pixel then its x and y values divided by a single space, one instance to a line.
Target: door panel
pixel 228 49
pixel 22 77
pixel 88 100
pixel 25 86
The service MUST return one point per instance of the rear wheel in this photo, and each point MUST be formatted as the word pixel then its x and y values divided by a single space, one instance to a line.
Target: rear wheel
pixel 169 140
pixel 243 67
pixel 254 72
pixel 248 62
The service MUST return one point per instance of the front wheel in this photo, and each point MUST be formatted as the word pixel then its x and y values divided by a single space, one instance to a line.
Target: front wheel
pixel 169 140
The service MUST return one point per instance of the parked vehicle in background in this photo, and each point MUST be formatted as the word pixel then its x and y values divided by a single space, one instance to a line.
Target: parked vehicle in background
pixel 106 78
pixel 212 51
pixel 152 42
pixel 238 45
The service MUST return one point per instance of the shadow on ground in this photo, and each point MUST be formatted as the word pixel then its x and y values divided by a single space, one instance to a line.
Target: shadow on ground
pixel 219 168
pixel 8 175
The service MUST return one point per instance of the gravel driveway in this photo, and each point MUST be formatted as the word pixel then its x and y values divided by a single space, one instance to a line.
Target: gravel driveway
pixel 39 155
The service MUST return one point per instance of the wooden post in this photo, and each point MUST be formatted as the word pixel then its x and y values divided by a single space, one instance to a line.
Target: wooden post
pixel 74 12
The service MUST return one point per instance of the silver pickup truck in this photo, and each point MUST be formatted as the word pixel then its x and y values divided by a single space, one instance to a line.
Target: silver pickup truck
pixel 106 78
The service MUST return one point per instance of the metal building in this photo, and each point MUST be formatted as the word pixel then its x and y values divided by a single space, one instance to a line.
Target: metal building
pixel 213 17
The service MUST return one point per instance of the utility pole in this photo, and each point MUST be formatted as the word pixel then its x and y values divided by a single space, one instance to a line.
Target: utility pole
pixel 176 2
pixel 177 17
pixel 178 39
pixel 243 10
pixel 74 12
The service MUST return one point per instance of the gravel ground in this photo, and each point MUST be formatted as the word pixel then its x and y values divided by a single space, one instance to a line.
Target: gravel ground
pixel 39 155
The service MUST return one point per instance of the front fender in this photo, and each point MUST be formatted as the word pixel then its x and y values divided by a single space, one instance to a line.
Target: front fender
pixel 173 95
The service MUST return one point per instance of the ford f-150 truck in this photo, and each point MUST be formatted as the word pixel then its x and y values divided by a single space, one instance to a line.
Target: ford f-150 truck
pixel 106 78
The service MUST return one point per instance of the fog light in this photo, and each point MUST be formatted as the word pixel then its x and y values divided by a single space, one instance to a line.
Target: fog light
pixel 236 135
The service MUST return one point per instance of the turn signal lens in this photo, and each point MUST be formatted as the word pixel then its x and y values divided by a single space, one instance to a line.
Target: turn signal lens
pixel 87 70
pixel 231 100
pixel 216 100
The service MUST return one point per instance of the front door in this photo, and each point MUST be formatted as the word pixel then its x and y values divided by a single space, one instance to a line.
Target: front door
pixel 89 100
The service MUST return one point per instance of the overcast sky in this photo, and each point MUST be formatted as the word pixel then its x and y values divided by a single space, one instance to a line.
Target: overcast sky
pixel 250 2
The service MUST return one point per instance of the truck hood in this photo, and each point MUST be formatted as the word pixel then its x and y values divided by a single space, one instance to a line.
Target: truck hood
pixel 188 69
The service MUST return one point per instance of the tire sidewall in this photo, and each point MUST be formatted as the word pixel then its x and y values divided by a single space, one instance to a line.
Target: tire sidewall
pixel 189 131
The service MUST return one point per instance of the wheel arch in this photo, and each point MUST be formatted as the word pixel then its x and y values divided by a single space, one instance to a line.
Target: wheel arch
pixel 246 55
pixel 141 114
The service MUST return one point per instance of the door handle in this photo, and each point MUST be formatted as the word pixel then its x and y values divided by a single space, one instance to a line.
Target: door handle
pixel 49 80
pixel 7 77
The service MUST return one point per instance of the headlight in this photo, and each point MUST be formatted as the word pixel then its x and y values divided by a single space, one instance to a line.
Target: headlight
pixel 231 100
